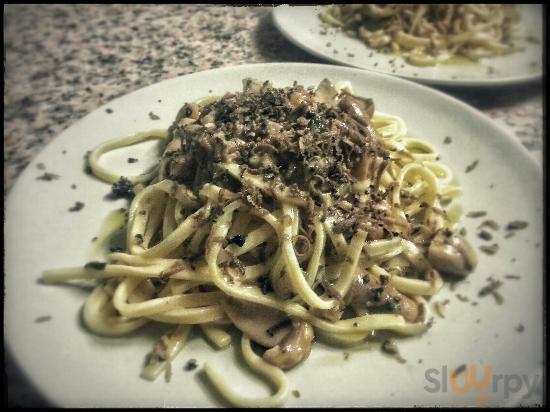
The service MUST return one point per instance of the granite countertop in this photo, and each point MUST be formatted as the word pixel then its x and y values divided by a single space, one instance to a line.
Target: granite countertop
pixel 64 61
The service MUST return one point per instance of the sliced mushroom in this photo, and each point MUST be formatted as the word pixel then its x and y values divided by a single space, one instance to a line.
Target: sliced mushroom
pixel 368 292
pixel 263 325
pixel 451 253
pixel 295 348
pixel 408 308
pixel 352 106
pixel 365 105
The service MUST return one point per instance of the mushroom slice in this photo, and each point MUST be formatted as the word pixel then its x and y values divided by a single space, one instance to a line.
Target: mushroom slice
pixel 408 308
pixel 263 325
pixel 365 105
pixel 451 253
pixel 369 293
pixel 351 106
pixel 295 348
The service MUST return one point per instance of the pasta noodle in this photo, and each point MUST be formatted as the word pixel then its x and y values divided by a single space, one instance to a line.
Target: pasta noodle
pixel 429 34
pixel 286 213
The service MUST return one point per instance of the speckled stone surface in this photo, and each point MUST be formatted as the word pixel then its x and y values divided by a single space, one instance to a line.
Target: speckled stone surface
pixel 64 61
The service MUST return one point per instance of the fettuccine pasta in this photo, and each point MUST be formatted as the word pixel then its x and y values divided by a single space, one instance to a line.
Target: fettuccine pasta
pixel 429 34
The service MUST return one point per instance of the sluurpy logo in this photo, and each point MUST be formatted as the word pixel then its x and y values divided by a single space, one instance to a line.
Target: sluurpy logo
pixel 477 380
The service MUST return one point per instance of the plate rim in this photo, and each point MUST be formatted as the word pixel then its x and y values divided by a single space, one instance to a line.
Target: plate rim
pixel 277 13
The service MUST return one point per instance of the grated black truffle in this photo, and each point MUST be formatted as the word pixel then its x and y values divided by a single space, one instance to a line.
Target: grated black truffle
pixel 122 189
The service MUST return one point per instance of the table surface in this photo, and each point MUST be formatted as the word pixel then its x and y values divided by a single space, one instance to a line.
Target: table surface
pixel 64 61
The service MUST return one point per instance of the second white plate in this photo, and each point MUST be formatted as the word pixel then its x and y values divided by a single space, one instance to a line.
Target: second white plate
pixel 302 26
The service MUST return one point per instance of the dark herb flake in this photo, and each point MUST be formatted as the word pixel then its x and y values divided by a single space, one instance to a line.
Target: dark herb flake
pixel 490 288
pixel 516 225
pixel 485 235
pixel 238 240
pixel 471 166
pixel 77 207
pixel 478 213
pixel 491 224
pixel 498 298
pixel 459 370
pixel 191 365
pixel 462 298
pixel 95 265
pixel 123 188
pixel 439 307
pixel 389 346
pixel 265 284
pixel 489 250
pixel 47 177
pixel 520 328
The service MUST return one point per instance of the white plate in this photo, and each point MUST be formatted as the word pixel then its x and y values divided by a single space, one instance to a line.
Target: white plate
pixel 302 26
pixel 72 367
